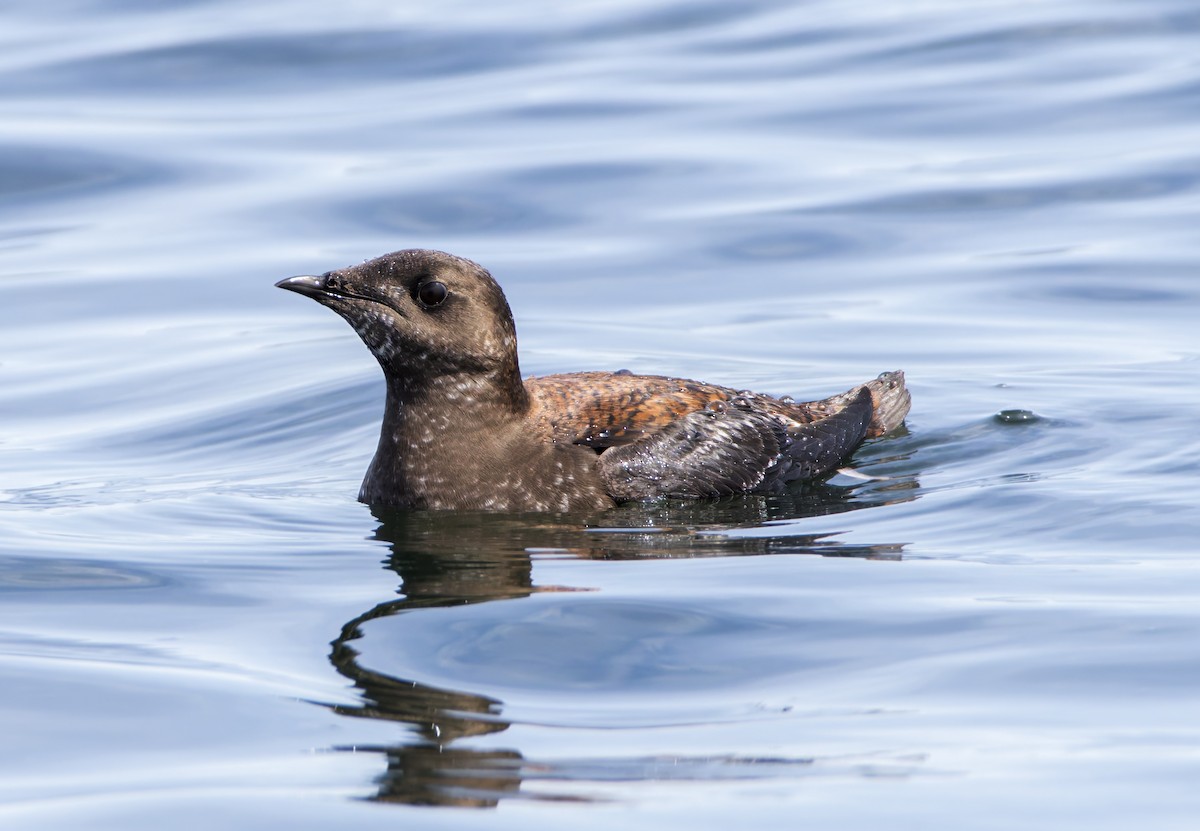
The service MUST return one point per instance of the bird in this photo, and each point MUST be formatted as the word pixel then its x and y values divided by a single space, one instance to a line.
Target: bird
pixel 462 430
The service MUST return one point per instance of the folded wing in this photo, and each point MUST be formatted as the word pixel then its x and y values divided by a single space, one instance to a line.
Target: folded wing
pixel 733 449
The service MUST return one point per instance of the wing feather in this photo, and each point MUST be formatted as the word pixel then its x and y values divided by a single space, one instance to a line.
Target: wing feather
pixel 721 451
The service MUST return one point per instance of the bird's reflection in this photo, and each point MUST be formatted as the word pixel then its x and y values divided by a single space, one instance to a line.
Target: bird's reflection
pixel 457 559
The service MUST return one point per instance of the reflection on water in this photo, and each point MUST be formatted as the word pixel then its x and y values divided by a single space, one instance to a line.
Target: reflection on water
pixel 436 775
pixel 453 560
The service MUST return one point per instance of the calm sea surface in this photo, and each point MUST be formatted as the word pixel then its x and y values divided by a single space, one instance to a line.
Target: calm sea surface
pixel 201 628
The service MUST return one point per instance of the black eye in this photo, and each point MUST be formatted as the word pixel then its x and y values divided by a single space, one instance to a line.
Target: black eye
pixel 431 294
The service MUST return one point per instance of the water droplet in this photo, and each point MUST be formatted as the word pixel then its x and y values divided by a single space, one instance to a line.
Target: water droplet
pixel 623 372
pixel 1017 417
pixel 786 399
pixel 741 403
pixel 716 406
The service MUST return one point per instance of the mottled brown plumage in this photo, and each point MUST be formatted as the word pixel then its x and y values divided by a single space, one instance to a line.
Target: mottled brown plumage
pixel 605 409
pixel 461 429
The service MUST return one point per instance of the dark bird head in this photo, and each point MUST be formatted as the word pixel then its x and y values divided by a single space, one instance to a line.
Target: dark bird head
pixel 425 315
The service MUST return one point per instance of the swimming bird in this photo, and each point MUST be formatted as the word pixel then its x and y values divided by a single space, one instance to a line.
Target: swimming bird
pixel 463 430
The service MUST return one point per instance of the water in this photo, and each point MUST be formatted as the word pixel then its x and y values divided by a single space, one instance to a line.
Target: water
pixel 200 626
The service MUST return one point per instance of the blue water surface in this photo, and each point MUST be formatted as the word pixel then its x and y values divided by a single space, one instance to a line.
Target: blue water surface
pixel 1000 628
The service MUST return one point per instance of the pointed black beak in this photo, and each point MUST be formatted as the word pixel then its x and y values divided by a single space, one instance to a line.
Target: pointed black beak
pixel 304 284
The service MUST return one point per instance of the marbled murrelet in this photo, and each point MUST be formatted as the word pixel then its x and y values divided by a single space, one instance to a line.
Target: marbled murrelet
pixel 462 430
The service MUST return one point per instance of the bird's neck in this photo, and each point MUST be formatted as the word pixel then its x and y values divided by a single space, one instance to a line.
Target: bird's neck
pixel 435 432
pixel 464 398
